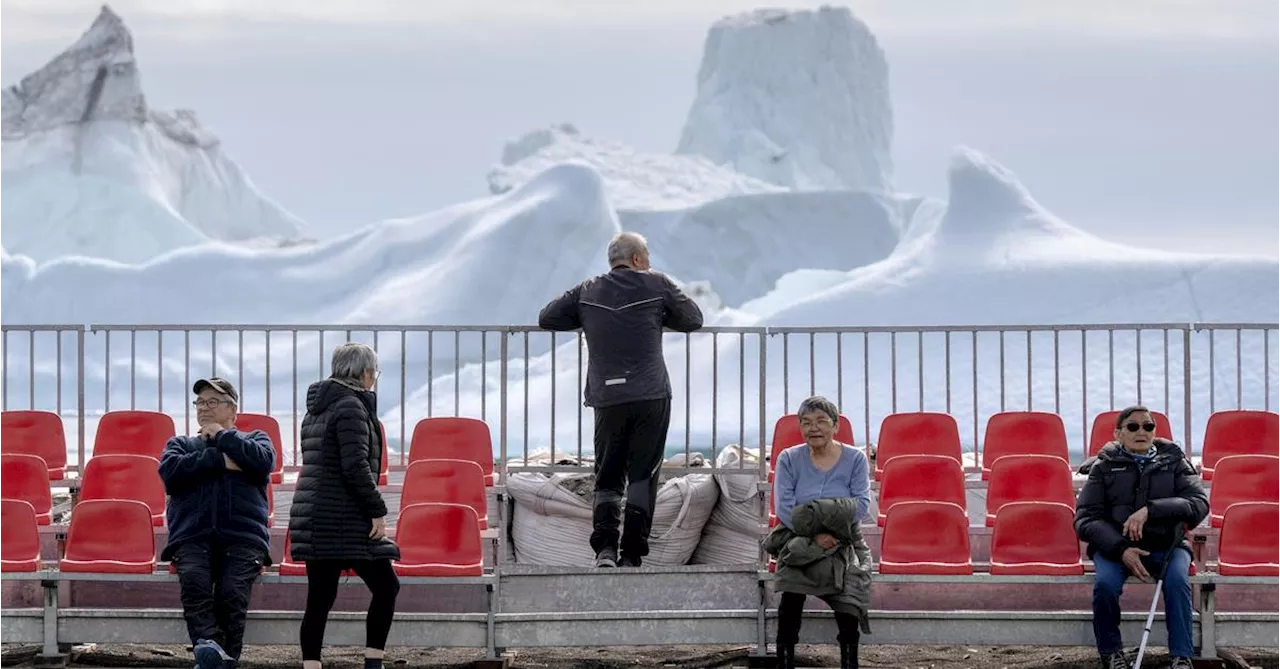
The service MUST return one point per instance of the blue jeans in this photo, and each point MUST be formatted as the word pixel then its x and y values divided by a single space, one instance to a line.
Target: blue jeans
pixel 1109 583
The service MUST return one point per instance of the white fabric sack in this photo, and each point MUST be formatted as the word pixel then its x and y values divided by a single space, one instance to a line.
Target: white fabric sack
pixel 732 534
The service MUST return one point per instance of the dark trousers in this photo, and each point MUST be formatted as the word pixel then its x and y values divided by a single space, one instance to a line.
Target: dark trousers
pixel 322 590
pixel 216 581
pixel 629 440
pixel 790 610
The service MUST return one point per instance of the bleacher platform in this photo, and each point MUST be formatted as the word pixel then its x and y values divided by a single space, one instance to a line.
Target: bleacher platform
pixel 984 555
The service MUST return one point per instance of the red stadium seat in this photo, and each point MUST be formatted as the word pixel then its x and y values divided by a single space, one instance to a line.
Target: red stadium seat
pixel 439 540
pixel 110 536
pixel 922 433
pixel 1243 478
pixel 35 433
pixel 1238 433
pixel 1249 544
pixel 1028 478
pixel 453 439
pixel 1104 427
pixel 926 538
pixel 19 537
pixel 386 461
pixel 1023 433
pixel 447 481
pixel 133 433
pixel 930 478
pixel 135 477
pixel 248 422
pixel 25 477
pixel 1036 538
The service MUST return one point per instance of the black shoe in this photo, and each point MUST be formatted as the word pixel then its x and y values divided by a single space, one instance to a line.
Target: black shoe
pixel 848 656
pixel 607 558
pixel 1115 661
pixel 629 561
pixel 786 657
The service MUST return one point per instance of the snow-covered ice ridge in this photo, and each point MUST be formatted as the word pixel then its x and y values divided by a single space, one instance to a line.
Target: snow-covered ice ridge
pixel 90 169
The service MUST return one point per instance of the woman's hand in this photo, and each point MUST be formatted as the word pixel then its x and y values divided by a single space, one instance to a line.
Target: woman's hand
pixel 826 540
pixel 379 530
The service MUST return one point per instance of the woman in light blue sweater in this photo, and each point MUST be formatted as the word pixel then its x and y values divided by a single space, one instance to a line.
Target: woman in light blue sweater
pixel 820 468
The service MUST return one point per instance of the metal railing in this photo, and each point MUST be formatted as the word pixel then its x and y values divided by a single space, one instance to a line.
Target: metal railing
pixel 730 384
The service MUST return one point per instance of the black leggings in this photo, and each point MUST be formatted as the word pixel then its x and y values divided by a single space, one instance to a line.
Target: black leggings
pixel 322 589
pixel 790 610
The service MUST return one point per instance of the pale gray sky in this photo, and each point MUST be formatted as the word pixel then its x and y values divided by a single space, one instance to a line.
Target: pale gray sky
pixel 1154 119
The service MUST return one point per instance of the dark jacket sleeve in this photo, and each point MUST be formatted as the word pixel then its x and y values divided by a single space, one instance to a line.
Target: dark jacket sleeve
pixel 1190 503
pixel 352 429
pixel 1093 525
pixel 253 451
pixel 562 313
pixel 183 466
pixel 680 312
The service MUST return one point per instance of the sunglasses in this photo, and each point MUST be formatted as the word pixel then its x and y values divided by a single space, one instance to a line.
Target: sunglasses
pixel 1145 427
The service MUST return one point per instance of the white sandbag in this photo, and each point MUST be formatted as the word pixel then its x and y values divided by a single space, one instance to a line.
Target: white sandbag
pixel 732 534
pixel 551 519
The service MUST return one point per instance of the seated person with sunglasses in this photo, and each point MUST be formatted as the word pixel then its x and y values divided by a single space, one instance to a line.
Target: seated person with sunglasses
pixel 1140 493
pixel 217 515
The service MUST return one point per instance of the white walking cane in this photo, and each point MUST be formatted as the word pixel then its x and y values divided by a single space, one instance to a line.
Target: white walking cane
pixel 1178 531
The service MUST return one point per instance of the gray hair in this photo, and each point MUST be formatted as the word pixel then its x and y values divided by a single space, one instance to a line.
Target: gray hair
pixel 352 360
pixel 625 245
pixel 819 403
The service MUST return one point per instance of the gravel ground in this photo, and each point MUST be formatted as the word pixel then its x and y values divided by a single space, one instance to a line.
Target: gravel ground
pixel 674 657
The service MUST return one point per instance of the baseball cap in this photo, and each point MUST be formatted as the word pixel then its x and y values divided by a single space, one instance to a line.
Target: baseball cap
pixel 218 384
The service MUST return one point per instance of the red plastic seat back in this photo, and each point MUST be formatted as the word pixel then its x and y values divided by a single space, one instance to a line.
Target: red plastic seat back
pixel 1249 544
pixel 19 538
pixel 133 433
pixel 926 538
pixel 446 481
pixel 111 536
pixel 386 460
pixel 1029 478
pixel 1023 433
pixel 1243 478
pixel 25 477
pixel 930 478
pixel 1104 428
pixel 1036 538
pixel 135 477
pixel 786 433
pixel 439 539
pixel 450 438
pixel 35 433
pixel 922 433
pixel 248 422
pixel 1239 433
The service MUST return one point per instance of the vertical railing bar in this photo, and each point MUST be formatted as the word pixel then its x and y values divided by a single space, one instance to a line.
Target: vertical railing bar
pixel 763 460
pixel 319 354
pixel 1084 391
pixel 1266 369
pixel 133 369
pixel 920 368
pixel 977 448
pixel 688 389
pixel 786 374
pixel 504 368
pixel 581 343
pixel 186 378
pixel 866 388
pixel 1165 335
pixel 160 370
pixel 80 388
pixel 525 436
pixel 240 365
pixel 813 370
pixel 1137 338
pixel 715 396
pixel 1239 366
pixel 1186 389
pixel 742 399
pixel 404 390
pixel 4 369
pixel 1057 390
pixel 484 374
pixel 57 378
pixel 840 369
pixel 1213 384
pixel 431 373
pixel 457 373
pixel 893 371
pixel 107 373
pixel 31 369
pixel 1001 334
pixel 947 362
pixel 554 369
pixel 1111 369
pixel 1030 406
pixel 293 361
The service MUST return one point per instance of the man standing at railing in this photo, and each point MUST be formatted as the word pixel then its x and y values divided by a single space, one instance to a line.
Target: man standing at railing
pixel 217 516
pixel 622 314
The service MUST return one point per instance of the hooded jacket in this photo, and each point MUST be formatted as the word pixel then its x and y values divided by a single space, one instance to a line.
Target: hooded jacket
pixel 1168 486
pixel 841 576
pixel 337 498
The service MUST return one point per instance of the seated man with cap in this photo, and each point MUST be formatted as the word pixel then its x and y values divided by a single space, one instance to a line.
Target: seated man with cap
pixel 217 516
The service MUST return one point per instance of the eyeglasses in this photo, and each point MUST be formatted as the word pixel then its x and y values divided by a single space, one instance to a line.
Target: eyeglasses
pixel 213 403
pixel 821 422
pixel 1145 427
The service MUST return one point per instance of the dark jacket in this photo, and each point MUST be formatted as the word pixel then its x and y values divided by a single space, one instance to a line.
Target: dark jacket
pixel 622 314
pixel 337 498
pixel 1169 486
pixel 841 576
pixel 207 501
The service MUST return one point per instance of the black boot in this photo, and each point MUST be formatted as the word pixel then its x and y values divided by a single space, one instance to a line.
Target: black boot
pixel 786 657
pixel 848 656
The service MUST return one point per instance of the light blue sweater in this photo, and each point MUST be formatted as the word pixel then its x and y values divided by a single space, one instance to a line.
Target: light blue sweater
pixel 798 481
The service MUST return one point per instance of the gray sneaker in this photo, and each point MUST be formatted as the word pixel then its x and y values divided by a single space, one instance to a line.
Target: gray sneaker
pixel 607 558
pixel 1181 663
pixel 1115 661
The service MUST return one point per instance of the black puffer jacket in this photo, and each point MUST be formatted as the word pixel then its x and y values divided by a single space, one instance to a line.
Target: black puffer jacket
pixel 337 496
pixel 1169 486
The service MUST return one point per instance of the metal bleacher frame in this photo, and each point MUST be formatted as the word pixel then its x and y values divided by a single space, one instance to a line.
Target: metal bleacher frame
pixel 522 606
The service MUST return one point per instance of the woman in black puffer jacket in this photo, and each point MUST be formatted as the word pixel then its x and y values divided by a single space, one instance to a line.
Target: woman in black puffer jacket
pixel 338 519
